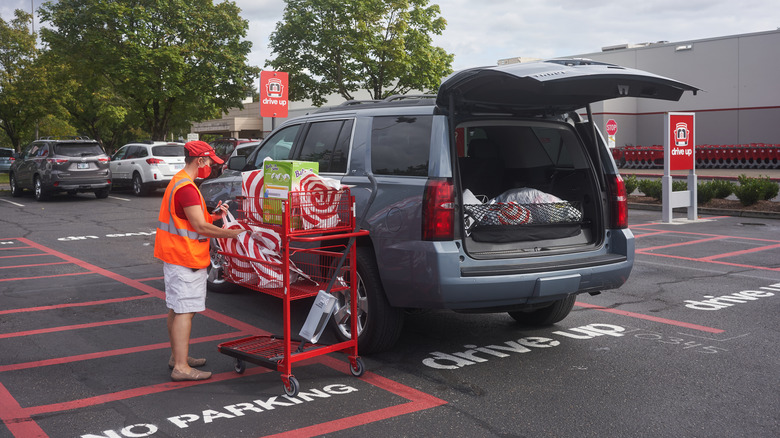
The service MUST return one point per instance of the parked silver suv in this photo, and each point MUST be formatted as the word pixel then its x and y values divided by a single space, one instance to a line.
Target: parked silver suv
pixel 73 165
pixel 492 196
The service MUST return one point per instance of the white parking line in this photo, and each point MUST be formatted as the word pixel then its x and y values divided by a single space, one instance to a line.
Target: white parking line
pixel 121 199
pixel 12 202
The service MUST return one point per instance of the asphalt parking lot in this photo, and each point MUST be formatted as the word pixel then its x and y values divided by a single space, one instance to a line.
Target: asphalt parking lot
pixel 686 348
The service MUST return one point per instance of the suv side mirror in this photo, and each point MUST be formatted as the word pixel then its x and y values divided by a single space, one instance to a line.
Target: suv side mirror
pixel 237 163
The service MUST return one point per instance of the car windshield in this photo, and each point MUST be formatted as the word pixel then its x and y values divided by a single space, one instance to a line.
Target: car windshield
pixel 77 149
pixel 245 151
pixel 168 150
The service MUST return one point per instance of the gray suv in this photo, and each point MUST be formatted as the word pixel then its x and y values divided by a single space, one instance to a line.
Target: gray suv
pixel 73 165
pixel 492 196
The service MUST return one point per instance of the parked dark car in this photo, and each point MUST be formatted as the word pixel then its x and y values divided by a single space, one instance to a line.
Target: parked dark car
pixel 492 196
pixel 73 165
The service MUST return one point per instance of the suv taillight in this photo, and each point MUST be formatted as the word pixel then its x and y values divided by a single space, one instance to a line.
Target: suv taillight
pixel 154 161
pixel 438 215
pixel 618 203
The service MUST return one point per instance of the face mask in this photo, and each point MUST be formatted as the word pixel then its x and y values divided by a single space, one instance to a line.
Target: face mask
pixel 204 172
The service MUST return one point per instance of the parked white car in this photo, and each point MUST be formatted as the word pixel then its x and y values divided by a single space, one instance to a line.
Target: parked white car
pixel 146 166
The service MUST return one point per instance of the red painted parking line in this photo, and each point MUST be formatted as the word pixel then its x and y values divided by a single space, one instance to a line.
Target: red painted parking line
pixel 717 262
pixel 34 266
pixel 674 245
pixel 418 402
pixel 739 253
pixel 81 326
pixel 117 352
pixel 650 318
pixel 46 276
pixel 67 305
pixel 12 415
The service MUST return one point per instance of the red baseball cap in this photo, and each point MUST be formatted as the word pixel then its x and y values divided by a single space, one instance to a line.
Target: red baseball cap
pixel 199 148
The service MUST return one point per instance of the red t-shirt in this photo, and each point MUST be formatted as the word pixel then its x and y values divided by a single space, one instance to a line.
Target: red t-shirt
pixel 185 197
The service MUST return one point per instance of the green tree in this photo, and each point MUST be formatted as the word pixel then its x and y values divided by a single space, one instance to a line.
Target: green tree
pixel 26 96
pixel 159 63
pixel 336 46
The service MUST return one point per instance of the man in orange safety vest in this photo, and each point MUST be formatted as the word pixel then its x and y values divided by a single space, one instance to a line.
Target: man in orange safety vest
pixel 182 243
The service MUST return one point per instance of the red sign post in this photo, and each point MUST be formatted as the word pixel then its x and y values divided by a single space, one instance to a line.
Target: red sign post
pixel 679 154
pixel 273 94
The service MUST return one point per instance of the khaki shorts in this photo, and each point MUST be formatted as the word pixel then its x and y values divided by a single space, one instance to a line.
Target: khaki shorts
pixel 185 290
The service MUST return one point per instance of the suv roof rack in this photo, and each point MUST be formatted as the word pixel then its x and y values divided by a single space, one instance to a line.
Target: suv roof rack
pixel 395 100
pixel 65 137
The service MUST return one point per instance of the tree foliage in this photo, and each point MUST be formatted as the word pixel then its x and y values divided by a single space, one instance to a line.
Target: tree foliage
pixel 155 64
pixel 27 93
pixel 337 46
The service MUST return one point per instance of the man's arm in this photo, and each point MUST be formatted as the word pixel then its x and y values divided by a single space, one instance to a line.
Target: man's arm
pixel 195 217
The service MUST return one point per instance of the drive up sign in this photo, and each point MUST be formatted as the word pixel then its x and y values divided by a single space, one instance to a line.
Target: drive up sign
pixel 679 154
pixel 681 145
pixel 273 94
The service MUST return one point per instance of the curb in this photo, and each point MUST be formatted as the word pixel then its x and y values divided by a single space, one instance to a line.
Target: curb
pixel 712 211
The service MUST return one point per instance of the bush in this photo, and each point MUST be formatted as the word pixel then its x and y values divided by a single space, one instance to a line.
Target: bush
pixel 752 190
pixel 721 188
pixel 679 186
pixel 651 188
pixel 631 183
pixel 705 192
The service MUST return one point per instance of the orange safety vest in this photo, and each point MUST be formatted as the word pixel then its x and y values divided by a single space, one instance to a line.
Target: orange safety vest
pixel 176 242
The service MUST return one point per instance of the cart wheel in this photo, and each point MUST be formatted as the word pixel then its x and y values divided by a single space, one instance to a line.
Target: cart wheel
pixel 358 368
pixel 239 366
pixel 293 388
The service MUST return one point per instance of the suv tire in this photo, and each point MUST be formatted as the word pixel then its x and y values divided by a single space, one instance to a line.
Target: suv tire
pixel 379 324
pixel 40 192
pixel 16 191
pixel 549 315
pixel 215 282
pixel 139 189
pixel 102 193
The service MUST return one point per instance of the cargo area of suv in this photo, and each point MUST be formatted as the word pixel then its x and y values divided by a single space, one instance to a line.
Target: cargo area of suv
pixel 495 195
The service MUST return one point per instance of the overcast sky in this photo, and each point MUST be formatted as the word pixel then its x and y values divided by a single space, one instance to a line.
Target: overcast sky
pixel 482 32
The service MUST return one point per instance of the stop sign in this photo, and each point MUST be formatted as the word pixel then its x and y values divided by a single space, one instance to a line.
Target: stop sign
pixel 611 127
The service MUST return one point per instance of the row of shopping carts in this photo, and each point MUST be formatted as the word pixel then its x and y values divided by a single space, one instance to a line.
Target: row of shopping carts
pixel 742 156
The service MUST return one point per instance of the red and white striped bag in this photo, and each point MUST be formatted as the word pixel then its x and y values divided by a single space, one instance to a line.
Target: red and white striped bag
pixel 239 269
pixel 319 205
pixel 252 190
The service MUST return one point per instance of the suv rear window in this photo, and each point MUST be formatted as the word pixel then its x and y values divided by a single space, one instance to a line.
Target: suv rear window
pixel 168 151
pixel 6 152
pixel 400 145
pixel 77 149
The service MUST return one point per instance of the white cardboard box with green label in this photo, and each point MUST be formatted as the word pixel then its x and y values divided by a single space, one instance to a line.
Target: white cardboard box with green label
pixel 279 178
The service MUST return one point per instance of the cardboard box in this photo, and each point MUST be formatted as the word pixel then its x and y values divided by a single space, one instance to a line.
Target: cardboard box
pixel 279 178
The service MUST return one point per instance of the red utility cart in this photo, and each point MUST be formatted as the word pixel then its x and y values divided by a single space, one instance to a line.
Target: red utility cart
pixel 317 231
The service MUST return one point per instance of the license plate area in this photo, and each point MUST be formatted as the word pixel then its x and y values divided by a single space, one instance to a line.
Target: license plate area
pixel 82 165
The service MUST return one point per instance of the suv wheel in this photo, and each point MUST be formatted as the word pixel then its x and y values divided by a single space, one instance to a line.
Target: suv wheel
pixel 549 315
pixel 16 191
pixel 379 324
pixel 138 186
pixel 40 193
pixel 215 280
